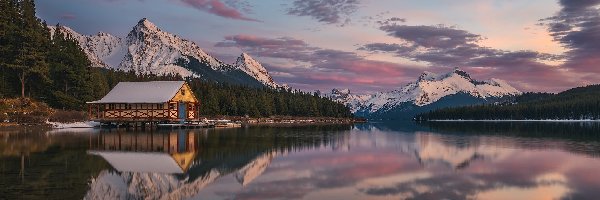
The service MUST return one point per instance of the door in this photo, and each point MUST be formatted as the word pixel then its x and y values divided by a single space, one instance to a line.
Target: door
pixel 182 110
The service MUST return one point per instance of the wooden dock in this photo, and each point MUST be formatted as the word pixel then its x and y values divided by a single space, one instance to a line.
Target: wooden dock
pixel 185 125
pixel 158 125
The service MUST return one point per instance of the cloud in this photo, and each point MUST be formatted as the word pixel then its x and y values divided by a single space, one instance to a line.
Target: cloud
pixel 439 36
pixel 218 7
pixel 385 47
pixel 259 42
pixel 449 46
pixel 576 27
pixel 577 5
pixel 323 68
pixel 389 21
pixel 327 11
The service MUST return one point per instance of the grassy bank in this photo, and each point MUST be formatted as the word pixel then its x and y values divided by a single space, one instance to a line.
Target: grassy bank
pixel 25 111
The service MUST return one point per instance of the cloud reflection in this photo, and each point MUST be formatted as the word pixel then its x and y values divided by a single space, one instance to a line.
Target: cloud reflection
pixel 427 165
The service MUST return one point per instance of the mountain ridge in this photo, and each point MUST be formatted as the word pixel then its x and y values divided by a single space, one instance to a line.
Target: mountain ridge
pixel 428 89
pixel 148 49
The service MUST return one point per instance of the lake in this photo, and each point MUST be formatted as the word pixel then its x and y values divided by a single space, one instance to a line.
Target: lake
pixel 400 160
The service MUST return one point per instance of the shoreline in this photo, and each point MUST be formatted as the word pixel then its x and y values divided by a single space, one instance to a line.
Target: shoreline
pixel 514 120
pixel 252 122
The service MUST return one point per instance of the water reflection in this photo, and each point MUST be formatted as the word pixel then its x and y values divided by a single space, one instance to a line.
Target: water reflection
pixel 172 153
pixel 368 161
pixel 180 164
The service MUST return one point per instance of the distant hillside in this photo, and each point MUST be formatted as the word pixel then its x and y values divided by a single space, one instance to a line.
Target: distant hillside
pixel 576 103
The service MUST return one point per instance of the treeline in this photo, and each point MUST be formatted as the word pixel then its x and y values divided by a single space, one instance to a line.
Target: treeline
pixel 233 100
pixel 55 70
pixel 576 103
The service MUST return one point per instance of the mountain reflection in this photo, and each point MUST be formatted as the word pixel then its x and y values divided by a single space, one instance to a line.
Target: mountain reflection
pixel 179 164
pixel 365 161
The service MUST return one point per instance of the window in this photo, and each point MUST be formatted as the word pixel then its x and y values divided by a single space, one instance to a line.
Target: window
pixel 183 92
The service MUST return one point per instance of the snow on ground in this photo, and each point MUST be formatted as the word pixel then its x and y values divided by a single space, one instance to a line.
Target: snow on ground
pixel 86 124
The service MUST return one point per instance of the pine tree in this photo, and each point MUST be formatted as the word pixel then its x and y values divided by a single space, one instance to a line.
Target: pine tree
pixel 31 46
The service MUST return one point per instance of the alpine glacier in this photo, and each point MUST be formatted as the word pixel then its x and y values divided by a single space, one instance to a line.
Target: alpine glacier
pixel 147 49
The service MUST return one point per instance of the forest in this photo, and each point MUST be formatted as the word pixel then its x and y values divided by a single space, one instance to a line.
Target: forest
pixel 54 69
pixel 575 104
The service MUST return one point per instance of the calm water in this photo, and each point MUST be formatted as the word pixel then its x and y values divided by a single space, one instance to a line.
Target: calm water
pixel 367 161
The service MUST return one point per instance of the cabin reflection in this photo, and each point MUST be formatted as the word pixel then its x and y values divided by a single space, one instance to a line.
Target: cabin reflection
pixel 172 153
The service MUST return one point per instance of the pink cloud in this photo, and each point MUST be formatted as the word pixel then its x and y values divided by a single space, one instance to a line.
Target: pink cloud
pixel 217 7
pixel 327 67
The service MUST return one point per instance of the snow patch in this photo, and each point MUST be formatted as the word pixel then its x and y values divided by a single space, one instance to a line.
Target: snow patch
pixel 253 68
pixel 86 124
pixel 149 50
pixel 428 88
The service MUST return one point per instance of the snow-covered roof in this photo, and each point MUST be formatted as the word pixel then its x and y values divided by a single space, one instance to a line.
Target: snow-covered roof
pixel 140 162
pixel 142 92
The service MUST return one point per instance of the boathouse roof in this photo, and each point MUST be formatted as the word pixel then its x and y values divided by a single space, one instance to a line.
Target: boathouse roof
pixel 142 92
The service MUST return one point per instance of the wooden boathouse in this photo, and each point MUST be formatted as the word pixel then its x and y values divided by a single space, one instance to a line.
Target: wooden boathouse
pixel 154 101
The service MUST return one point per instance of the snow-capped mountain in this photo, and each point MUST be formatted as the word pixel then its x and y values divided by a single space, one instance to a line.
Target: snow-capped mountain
pixel 102 49
pixel 352 101
pixel 430 91
pixel 148 49
pixel 254 69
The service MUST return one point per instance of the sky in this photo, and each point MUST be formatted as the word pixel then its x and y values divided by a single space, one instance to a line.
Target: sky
pixel 371 45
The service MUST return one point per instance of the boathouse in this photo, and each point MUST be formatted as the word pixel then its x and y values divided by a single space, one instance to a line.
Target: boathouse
pixel 155 101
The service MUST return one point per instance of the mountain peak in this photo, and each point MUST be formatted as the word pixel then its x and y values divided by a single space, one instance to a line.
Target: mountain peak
pixel 147 49
pixel 461 73
pixel 340 91
pixel 427 76
pixel 246 56
pixel 253 68
pixel 147 24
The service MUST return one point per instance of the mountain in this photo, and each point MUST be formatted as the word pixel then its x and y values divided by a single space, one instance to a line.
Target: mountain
pixel 149 50
pixel 352 101
pixel 103 49
pixel 254 69
pixel 429 92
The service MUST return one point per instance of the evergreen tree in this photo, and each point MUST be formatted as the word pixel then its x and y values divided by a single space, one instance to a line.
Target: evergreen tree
pixel 577 103
pixel 69 68
pixel 29 47
pixel 57 71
